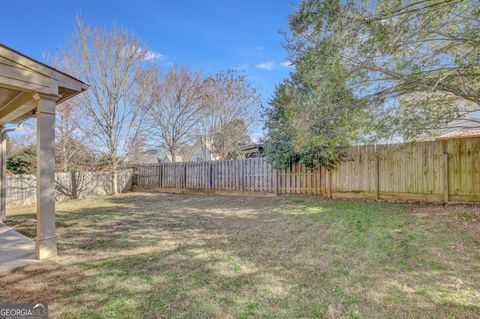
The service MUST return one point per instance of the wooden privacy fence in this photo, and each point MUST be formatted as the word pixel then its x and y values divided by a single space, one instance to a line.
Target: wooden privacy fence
pixel 434 171
pixel 248 175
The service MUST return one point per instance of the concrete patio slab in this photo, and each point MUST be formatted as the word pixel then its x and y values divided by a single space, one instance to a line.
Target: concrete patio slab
pixel 16 250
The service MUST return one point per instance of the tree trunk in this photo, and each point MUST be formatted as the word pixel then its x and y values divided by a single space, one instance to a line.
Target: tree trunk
pixel 63 157
pixel 114 179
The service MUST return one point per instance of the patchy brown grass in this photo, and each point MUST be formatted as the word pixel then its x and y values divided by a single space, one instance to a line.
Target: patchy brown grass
pixel 466 216
pixel 196 256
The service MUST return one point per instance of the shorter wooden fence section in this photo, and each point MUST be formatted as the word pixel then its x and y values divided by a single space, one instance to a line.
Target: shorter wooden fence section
pixel 249 175
pixel 440 171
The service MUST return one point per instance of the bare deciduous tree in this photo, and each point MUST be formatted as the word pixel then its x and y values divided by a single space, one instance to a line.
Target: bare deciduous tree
pixel 70 151
pixel 177 109
pixel 231 102
pixel 113 62
pixel 227 141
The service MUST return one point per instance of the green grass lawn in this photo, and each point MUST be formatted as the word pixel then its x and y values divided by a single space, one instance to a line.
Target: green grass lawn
pixel 197 256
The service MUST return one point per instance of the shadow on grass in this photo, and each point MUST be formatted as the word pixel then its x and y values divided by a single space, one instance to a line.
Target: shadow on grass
pixel 220 256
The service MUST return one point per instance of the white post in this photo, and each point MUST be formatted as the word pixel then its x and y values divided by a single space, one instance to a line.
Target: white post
pixel 3 175
pixel 46 240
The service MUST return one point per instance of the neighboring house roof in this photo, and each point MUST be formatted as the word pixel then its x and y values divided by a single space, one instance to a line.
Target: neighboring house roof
pixel 200 150
pixel 460 134
pixel 253 151
pixel 178 158
pixel 152 152
pixel 252 147
pixel 147 157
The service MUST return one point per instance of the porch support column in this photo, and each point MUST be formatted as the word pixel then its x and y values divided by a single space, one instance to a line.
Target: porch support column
pixel 46 240
pixel 3 175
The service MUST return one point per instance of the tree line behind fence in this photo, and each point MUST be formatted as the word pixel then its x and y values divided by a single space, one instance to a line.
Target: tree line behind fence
pixel 21 189
pixel 434 171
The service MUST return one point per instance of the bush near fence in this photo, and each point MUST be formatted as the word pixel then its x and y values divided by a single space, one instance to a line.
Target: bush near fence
pixel 21 189
pixel 429 171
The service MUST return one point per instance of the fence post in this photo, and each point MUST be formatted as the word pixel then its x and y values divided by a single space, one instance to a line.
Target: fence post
pixel 323 181
pixel 184 175
pixel 445 173
pixel 162 175
pixel 377 176
pixel 210 175
pixel 275 181
pixel 328 182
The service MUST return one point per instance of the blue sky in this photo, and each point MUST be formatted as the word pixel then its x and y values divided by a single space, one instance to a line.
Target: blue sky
pixel 207 35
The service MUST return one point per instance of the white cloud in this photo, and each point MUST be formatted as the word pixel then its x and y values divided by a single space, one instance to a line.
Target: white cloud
pixel 153 56
pixel 149 56
pixel 268 66
pixel 287 64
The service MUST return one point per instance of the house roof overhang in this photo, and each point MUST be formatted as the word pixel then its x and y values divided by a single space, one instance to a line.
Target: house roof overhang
pixel 23 80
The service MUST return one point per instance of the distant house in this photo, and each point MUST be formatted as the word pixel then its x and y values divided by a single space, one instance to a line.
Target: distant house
pixel 253 151
pixel 154 156
pixel 201 150
pixel 167 158
pixel 460 134
pixel 198 151
pixel 151 156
